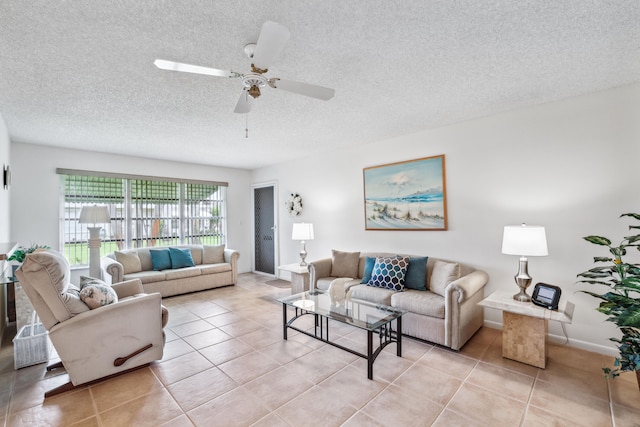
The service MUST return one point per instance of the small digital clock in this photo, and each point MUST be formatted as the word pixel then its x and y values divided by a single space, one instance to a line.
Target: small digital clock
pixel 547 296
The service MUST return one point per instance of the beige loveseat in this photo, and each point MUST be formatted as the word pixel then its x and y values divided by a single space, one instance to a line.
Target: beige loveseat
pixel 446 313
pixel 215 266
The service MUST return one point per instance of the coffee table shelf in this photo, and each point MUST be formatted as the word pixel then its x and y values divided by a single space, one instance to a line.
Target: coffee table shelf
pixel 374 318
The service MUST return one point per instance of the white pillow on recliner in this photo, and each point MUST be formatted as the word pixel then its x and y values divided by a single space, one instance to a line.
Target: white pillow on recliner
pixel 96 293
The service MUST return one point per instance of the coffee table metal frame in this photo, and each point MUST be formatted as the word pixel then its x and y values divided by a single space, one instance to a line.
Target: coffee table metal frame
pixel 374 318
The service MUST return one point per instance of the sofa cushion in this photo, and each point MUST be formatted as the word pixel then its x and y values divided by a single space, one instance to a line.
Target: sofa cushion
pixel 96 293
pixel 130 261
pixel 182 273
pixel 215 268
pixel 368 269
pixel 344 264
pixel 389 272
pixel 181 258
pixel 419 302
pixel 213 254
pixel 147 276
pixel 416 277
pixel 372 294
pixel 160 259
pixel 443 274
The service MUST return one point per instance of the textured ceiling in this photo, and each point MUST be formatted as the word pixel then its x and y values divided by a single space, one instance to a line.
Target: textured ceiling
pixel 80 74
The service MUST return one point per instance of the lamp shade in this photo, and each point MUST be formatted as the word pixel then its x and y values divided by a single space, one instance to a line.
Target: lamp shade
pixel 94 215
pixel 524 240
pixel 302 231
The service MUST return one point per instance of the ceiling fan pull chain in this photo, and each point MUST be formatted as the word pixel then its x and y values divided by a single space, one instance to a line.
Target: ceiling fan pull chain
pixel 246 127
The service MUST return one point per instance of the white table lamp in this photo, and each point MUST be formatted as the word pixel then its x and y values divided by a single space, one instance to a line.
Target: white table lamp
pixel 302 231
pixel 525 241
pixel 94 215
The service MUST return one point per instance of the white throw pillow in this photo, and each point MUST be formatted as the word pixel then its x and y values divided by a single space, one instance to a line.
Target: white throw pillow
pixel 130 261
pixel 213 254
pixel 443 274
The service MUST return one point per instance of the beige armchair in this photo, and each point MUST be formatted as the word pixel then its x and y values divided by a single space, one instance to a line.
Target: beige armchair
pixel 99 343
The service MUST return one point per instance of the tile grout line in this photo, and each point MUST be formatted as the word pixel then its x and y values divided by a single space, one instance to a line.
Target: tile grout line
pixel 526 409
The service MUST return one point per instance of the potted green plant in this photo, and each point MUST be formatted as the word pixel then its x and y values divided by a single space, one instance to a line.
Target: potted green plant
pixel 621 300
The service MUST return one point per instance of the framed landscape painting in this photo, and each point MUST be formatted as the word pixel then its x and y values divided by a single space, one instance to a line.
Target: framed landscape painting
pixel 407 195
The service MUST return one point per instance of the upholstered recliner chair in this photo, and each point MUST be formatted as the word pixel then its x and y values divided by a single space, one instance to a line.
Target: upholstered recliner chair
pixel 93 343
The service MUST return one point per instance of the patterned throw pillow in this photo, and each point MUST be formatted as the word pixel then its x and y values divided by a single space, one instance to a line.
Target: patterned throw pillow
pixel 96 293
pixel 389 273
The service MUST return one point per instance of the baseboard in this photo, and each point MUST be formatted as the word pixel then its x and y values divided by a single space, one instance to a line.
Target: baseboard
pixel 561 340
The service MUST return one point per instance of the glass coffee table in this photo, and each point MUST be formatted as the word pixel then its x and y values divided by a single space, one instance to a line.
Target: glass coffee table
pixel 374 318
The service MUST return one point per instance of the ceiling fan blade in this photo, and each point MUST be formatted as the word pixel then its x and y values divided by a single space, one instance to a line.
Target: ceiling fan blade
pixel 195 69
pixel 305 89
pixel 271 42
pixel 244 104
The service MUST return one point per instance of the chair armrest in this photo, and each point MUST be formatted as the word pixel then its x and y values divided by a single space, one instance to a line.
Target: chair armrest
pixel 231 256
pixel 128 288
pixel 468 285
pixel 112 268
pixel 317 270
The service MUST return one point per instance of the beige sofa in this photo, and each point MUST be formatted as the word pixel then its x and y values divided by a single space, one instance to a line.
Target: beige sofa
pixel 447 313
pixel 215 266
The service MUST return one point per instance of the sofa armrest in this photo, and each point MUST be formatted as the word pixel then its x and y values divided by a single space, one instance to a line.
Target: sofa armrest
pixel 231 256
pixel 462 314
pixel 111 268
pixel 468 285
pixel 128 288
pixel 317 270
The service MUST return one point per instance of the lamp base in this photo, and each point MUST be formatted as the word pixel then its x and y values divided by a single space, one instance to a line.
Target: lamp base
pixel 522 296
pixel 523 280
pixel 303 255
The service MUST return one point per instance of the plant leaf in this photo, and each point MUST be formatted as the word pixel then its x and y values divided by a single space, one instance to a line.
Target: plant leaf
pixel 602 259
pixel 633 215
pixel 598 240
pixel 594 282
pixel 632 239
pixel 593 294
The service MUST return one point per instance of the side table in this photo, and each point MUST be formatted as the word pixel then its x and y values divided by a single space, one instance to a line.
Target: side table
pixel 299 277
pixel 9 283
pixel 524 327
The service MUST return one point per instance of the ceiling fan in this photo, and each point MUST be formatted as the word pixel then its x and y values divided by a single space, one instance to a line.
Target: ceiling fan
pixel 271 42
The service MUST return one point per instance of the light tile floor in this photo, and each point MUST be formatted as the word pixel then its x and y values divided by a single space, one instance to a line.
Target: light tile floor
pixel 226 364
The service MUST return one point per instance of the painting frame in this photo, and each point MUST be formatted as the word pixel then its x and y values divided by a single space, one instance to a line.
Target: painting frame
pixel 409 195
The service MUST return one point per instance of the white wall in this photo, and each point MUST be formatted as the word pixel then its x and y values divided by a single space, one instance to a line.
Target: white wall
pixel 35 194
pixel 570 166
pixel 5 160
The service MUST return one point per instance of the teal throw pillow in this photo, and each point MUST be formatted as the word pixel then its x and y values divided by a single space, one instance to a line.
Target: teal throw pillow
pixel 368 269
pixel 416 274
pixel 389 272
pixel 160 259
pixel 181 258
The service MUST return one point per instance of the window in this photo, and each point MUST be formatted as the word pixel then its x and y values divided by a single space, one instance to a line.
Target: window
pixel 144 211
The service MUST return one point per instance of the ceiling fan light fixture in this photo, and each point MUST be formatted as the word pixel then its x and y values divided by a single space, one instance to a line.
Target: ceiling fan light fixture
pixel 254 91
pixel 253 83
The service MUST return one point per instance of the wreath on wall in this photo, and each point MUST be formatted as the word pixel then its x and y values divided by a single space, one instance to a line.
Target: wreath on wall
pixel 294 205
